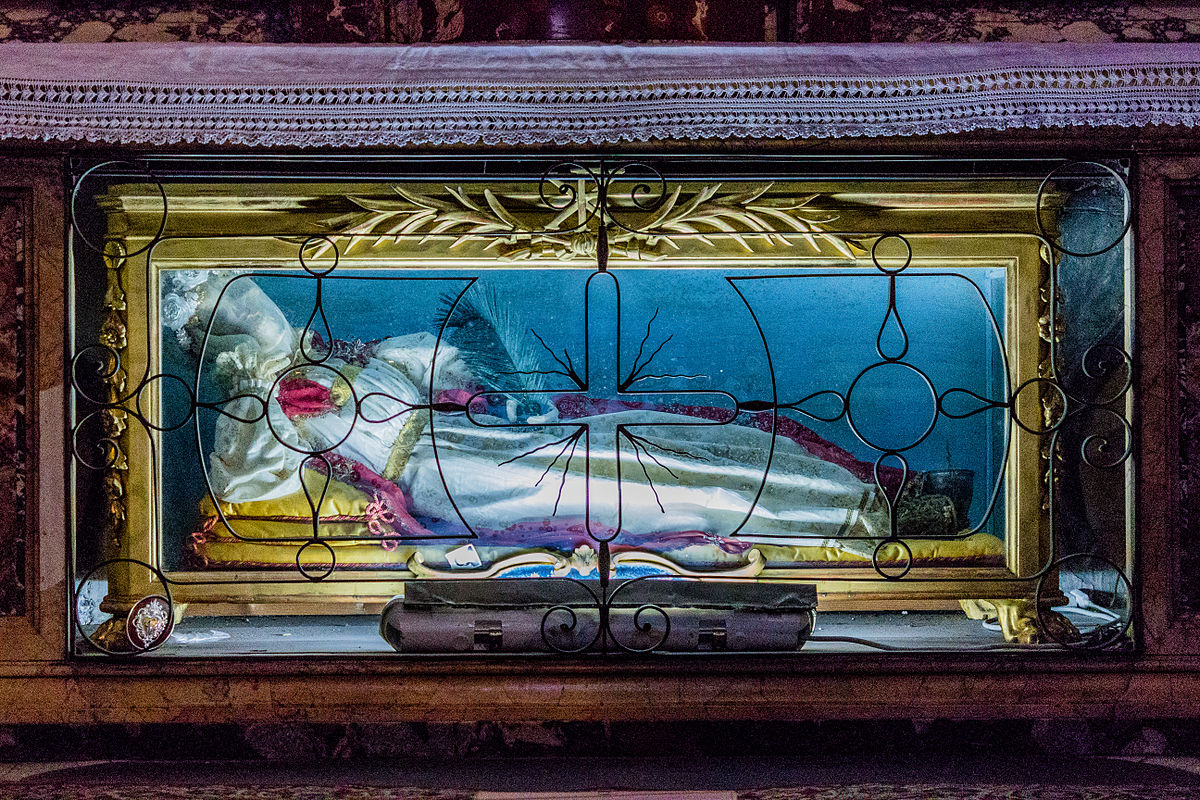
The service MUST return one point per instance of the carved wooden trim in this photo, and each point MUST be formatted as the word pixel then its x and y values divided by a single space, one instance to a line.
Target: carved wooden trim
pixel 1164 278
pixel 683 689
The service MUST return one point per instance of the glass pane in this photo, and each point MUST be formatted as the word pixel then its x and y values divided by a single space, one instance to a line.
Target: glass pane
pixel 896 395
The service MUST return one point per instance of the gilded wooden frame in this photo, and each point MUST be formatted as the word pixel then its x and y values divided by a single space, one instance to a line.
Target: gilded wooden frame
pixel 1024 257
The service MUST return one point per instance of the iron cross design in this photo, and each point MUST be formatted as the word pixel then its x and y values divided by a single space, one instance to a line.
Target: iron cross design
pixel 604 378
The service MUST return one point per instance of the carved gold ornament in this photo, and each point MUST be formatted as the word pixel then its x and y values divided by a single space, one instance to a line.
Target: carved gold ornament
pixel 583 561
pixel 514 225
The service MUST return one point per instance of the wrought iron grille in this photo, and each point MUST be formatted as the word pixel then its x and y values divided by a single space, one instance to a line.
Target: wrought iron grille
pixel 599 209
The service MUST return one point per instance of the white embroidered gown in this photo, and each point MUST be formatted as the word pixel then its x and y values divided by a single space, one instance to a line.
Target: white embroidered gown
pixel 706 481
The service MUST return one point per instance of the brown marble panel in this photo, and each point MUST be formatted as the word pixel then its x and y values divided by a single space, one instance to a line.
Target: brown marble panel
pixel 833 20
pixel 413 742
pixel 338 20
pixel 1188 377
pixel 1168 235
pixel 577 20
pixel 133 21
pixel 683 689
pixel 1052 21
pixel 14 444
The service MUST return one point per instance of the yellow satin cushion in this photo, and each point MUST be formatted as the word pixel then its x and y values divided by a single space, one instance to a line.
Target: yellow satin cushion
pixel 259 520
pixel 259 524
pixel 975 546
pixel 341 500
pixel 225 550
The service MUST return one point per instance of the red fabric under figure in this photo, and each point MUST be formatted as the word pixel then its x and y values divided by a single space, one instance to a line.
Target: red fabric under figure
pixel 300 397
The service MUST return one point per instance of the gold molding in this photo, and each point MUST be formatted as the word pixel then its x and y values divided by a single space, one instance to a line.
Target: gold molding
pixel 114 421
pixel 583 561
pixel 1017 618
pixel 1052 403
pixel 507 222
pixel 417 566
pixel 752 567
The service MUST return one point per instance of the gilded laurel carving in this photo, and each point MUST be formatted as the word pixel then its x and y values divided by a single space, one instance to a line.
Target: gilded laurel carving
pixel 114 421
pixel 1053 405
pixel 1017 617
pixel 515 226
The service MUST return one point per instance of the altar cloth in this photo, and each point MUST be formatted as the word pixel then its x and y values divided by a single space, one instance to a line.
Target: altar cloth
pixel 576 94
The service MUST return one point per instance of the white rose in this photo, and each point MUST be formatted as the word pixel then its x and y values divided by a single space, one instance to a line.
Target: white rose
pixel 176 310
pixel 182 280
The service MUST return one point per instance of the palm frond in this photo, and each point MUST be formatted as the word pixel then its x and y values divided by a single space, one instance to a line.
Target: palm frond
pixel 494 344
pixel 515 231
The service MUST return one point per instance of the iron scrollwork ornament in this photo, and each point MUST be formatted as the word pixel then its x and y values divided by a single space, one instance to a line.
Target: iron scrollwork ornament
pixel 596 210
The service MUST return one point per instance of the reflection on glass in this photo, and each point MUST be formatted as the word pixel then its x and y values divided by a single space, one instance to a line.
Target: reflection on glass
pixel 436 410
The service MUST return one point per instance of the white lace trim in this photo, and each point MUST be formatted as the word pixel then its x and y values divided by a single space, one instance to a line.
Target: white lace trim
pixel 305 96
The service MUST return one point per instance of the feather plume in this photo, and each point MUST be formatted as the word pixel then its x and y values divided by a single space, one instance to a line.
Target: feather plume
pixel 498 350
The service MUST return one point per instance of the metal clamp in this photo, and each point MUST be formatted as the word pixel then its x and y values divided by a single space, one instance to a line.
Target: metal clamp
pixel 712 635
pixel 489 634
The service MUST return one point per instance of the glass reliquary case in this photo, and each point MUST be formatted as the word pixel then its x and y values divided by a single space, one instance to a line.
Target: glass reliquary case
pixel 306 393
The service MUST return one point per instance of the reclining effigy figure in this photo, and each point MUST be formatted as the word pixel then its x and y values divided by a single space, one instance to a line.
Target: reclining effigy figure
pixel 698 494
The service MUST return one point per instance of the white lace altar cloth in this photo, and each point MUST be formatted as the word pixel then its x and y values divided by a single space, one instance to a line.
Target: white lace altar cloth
pixel 335 95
